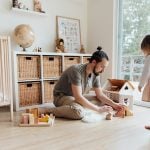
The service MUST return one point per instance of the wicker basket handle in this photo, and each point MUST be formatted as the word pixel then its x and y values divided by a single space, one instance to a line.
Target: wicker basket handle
pixel 29 85
pixel 51 82
pixel 51 58
pixel 71 58
pixel 28 58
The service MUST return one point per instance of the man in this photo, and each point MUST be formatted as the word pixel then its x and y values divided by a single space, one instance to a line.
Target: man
pixel 77 80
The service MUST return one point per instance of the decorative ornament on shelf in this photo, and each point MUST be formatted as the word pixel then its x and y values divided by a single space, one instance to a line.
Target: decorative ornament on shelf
pixel 15 3
pixel 82 50
pixel 24 36
pixel 38 6
pixel 60 46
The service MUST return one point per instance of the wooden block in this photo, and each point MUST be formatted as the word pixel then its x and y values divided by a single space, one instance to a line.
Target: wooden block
pixel 128 112
pixel 120 113
pixel 31 119
pixel 35 112
pixel 109 116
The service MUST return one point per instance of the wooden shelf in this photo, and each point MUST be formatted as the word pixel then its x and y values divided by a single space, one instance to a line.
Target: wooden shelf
pixel 28 11
pixel 45 84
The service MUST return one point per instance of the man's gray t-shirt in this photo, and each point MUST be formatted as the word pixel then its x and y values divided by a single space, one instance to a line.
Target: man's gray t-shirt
pixel 76 75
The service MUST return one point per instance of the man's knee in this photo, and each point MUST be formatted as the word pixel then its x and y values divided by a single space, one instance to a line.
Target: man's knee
pixel 77 111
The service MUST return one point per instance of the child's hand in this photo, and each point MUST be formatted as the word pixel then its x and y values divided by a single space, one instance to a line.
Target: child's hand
pixel 139 88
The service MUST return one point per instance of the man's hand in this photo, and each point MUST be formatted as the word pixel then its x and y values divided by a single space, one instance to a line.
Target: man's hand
pixel 105 108
pixel 139 88
pixel 118 106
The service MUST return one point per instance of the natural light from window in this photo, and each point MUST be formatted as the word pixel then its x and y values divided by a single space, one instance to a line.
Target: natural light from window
pixel 133 25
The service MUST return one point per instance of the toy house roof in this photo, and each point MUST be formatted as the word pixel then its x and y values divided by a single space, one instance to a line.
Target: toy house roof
pixel 120 83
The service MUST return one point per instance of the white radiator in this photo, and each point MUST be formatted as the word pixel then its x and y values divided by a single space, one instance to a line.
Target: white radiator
pixel 6 96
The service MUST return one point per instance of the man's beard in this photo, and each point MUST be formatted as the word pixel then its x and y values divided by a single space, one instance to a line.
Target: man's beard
pixel 96 73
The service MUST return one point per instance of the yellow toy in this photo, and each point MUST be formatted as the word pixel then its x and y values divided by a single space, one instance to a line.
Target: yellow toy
pixel 44 118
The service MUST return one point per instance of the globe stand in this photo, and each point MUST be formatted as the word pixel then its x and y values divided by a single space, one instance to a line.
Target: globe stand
pixel 23 48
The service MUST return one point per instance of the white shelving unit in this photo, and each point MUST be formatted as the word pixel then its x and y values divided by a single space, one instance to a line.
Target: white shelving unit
pixel 35 74
pixel 18 10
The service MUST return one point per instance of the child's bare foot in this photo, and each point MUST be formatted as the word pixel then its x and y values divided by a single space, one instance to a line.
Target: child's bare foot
pixel 147 127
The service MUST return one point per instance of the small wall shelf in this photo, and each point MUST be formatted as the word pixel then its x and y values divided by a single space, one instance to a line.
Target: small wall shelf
pixel 28 11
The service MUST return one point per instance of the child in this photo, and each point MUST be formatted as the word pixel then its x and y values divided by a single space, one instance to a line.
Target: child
pixel 145 78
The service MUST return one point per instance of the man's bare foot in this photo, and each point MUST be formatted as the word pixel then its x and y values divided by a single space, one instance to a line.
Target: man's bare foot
pixel 147 127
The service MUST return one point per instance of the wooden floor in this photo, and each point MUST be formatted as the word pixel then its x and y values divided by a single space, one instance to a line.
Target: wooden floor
pixel 117 134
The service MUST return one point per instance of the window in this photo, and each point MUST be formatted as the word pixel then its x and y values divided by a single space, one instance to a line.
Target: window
pixel 134 24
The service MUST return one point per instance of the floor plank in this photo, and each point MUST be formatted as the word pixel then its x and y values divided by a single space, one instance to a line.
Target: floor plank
pixel 117 134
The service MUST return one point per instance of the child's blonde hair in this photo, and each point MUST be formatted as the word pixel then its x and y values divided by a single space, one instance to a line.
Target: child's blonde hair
pixel 145 45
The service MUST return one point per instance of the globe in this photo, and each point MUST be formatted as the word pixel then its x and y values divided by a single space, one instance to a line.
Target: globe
pixel 24 36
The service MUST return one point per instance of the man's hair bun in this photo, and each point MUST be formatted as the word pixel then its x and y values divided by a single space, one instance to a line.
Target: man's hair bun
pixel 99 48
pixel 98 55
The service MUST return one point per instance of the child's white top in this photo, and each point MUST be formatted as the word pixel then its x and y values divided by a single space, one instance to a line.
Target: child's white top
pixel 146 72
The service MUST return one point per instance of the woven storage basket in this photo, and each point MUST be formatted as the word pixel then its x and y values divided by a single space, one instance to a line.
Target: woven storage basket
pixel 69 61
pixel 52 66
pixel 48 91
pixel 28 67
pixel 29 93
pixel 112 95
pixel 86 59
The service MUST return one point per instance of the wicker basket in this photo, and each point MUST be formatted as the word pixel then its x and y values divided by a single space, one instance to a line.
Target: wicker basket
pixel 48 91
pixel 28 67
pixel 29 93
pixel 86 59
pixel 69 61
pixel 112 95
pixel 51 66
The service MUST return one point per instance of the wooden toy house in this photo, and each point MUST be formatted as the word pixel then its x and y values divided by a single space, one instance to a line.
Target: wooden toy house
pixel 119 91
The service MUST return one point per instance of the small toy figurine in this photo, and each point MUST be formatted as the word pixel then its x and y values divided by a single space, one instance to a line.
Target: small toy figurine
pixel 82 50
pixel 15 3
pixel 39 49
pixel 37 6
pixel 60 46
pixel 20 5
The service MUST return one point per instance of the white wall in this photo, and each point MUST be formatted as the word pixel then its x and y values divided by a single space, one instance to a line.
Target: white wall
pixel 96 19
pixel 100 30
pixel 44 27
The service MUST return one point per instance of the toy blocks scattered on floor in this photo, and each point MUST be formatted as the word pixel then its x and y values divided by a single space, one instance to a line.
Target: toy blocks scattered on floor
pixel 31 118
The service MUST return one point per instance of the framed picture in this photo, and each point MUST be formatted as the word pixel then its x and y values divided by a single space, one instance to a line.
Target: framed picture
pixel 68 29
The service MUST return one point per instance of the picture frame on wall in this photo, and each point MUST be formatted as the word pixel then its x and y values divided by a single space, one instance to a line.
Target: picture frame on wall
pixel 68 29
